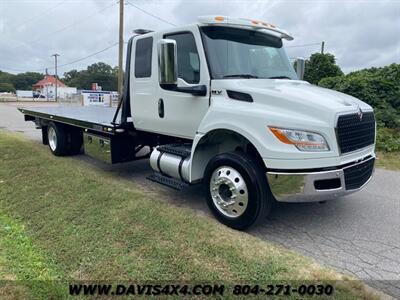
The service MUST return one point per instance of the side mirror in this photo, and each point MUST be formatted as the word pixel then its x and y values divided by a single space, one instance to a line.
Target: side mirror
pixel 300 67
pixel 167 63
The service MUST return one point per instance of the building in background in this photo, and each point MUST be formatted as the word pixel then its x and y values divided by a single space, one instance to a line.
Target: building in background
pixel 24 94
pixel 47 86
pixel 96 96
pixel 90 97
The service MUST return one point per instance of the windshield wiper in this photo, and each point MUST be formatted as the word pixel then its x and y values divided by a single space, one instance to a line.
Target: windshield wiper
pixel 279 77
pixel 240 76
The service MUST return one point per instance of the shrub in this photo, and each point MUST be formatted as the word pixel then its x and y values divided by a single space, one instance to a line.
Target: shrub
pixel 388 140
pixel 380 88
pixel 321 66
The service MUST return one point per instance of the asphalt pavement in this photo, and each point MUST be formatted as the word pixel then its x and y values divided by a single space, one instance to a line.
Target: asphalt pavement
pixel 358 234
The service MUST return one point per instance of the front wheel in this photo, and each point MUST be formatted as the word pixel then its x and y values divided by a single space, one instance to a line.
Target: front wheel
pixel 237 190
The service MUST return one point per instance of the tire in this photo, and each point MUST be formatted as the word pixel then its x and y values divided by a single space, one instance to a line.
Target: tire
pixel 58 139
pixel 237 190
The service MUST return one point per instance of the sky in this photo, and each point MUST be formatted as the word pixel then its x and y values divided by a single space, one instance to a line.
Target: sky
pixel 360 34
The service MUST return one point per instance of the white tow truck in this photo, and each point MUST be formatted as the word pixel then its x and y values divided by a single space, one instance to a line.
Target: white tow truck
pixel 218 102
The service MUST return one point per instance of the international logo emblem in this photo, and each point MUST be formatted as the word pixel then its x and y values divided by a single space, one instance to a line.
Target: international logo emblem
pixel 360 114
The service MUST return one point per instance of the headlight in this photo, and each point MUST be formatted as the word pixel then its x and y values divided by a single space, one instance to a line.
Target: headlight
pixel 303 140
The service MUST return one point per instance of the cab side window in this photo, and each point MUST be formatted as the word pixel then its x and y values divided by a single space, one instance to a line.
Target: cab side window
pixel 188 57
pixel 143 54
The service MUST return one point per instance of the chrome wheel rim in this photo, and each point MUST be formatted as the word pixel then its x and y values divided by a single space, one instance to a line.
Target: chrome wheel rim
pixel 52 138
pixel 229 192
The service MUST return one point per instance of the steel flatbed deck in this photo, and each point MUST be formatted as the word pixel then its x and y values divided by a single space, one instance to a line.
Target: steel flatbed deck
pixel 96 118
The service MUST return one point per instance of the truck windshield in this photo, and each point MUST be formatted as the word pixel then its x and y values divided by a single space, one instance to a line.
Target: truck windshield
pixel 241 53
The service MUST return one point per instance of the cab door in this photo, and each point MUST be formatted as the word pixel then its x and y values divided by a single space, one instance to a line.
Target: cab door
pixel 181 112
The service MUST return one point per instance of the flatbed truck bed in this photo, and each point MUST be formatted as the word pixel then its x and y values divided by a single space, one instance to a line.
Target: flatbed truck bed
pixel 91 126
pixel 96 118
pixel 95 128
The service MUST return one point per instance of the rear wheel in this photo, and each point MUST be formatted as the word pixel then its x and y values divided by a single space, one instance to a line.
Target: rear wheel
pixel 237 190
pixel 58 139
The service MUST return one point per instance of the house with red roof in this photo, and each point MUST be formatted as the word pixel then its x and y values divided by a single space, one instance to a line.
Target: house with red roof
pixel 47 81
pixel 47 85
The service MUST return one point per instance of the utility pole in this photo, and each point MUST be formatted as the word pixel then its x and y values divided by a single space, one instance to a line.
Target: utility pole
pixel 322 47
pixel 121 47
pixel 55 66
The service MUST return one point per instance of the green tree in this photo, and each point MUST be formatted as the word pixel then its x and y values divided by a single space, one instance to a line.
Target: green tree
pixel 380 88
pixel 68 76
pixel 5 77
pixel 321 66
pixel 5 82
pixel 24 81
pixel 6 87
pixel 21 81
pixel 100 73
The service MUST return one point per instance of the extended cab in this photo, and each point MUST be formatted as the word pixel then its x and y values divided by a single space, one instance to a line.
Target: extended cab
pixel 218 102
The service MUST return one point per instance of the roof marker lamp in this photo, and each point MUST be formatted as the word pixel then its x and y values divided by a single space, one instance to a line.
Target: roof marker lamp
pixel 303 140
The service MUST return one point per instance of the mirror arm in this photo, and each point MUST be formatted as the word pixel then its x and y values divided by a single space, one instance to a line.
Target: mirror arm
pixel 198 90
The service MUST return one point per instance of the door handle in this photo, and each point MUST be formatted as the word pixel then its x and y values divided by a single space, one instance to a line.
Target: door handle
pixel 161 108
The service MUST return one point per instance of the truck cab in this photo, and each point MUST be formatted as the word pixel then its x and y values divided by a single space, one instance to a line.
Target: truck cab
pixel 312 143
pixel 218 102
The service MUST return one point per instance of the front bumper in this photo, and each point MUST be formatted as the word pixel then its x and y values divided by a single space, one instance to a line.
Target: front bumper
pixel 320 185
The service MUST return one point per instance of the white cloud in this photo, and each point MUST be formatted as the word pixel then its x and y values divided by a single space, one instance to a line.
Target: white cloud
pixel 359 33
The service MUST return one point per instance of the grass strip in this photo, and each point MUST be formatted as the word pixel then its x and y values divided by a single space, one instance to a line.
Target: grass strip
pixel 18 253
pixel 388 160
pixel 70 221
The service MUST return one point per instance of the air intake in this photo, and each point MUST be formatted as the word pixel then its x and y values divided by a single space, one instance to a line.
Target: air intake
pixel 239 96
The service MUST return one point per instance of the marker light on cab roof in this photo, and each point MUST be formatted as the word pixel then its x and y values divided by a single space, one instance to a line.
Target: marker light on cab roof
pixel 256 24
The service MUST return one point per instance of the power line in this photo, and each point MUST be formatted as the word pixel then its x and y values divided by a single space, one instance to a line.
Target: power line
pixel 62 29
pixel 66 64
pixel 81 21
pixel 150 14
pixel 46 12
pixel 305 45
pixel 89 56
pixel 71 25
pixel 17 70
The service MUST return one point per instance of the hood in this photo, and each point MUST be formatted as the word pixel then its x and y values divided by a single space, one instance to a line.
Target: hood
pixel 294 97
